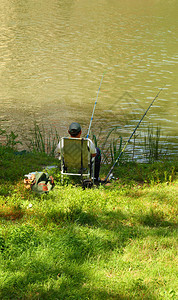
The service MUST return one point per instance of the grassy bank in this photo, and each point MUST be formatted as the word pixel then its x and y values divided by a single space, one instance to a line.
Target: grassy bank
pixel 112 242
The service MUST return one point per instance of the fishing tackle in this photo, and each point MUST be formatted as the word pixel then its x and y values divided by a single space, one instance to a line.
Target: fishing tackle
pixel 95 106
pixel 116 161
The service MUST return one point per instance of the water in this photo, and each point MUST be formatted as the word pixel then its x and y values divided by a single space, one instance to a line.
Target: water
pixel 54 53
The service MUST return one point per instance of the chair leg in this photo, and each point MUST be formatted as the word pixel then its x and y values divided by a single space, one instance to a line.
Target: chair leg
pixel 92 170
pixel 62 176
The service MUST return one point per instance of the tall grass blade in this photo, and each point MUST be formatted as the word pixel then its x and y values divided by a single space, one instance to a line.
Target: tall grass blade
pixel 42 140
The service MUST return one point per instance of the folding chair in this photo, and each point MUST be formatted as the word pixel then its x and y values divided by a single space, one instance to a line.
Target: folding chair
pixel 76 158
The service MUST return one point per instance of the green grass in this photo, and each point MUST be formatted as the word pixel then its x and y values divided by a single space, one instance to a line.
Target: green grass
pixel 112 242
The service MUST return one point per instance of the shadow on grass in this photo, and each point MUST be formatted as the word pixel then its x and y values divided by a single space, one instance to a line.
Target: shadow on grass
pixel 111 220
pixel 71 284
pixel 155 219
pixel 61 265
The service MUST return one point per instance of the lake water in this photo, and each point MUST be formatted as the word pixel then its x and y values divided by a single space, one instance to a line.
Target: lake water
pixel 54 53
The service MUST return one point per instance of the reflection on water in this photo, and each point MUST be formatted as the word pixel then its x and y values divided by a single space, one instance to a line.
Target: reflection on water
pixel 53 55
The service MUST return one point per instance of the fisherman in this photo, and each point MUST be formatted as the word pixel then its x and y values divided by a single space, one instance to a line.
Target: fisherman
pixel 75 131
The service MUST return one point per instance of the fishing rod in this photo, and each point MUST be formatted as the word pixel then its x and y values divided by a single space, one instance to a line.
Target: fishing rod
pixel 116 161
pixel 95 105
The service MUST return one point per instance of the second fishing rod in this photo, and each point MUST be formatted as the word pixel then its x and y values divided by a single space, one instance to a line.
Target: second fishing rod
pixel 117 160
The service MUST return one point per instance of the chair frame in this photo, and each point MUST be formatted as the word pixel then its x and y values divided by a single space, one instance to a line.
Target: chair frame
pixel 90 170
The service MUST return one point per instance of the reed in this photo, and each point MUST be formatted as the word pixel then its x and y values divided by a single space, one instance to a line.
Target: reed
pixel 146 146
pixel 43 140
pixel 10 140
pixel 110 146
pixel 153 150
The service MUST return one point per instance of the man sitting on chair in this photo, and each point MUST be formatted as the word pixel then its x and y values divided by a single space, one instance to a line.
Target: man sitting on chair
pixel 75 131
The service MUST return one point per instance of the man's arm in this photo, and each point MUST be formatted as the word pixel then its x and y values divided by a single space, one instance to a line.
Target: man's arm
pixel 92 148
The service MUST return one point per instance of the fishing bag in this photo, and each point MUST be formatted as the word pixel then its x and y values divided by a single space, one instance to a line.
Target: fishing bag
pixel 39 182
